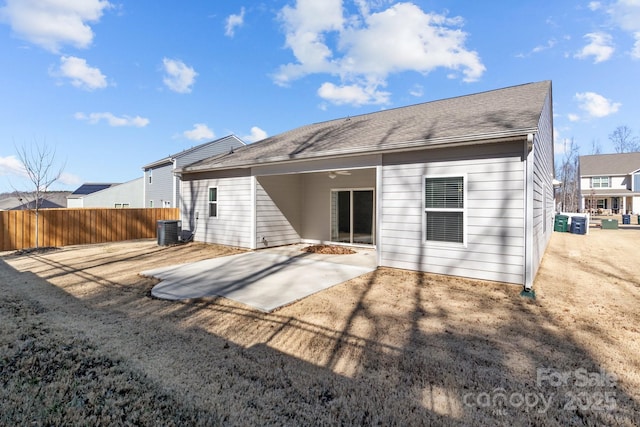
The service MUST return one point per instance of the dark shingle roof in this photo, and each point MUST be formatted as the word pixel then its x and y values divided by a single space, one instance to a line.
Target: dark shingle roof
pixel 609 164
pixel 499 113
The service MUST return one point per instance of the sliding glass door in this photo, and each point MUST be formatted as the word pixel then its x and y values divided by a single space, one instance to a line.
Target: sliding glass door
pixel 353 216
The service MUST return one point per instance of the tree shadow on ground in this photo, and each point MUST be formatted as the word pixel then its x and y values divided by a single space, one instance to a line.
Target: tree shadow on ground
pixel 392 348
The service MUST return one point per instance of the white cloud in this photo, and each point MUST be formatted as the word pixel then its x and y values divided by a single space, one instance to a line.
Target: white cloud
pixel 540 48
pixel 596 105
pixel 179 76
pixel 626 14
pixel 417 91
pixel 550 44
pixel 600 47
pixel 10 165
pixel 594 5
pixel 113 120
pixel 70 179
pixel 199 132
pixel 54 23
pixel 354 94
pixel 257 134
pixel 368 47
pixel 81 74
pixel 573 117
pixel 407 39
pixel 635 52
pixel 233 22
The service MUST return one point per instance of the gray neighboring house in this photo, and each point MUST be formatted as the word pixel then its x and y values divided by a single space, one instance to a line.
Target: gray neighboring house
pixel 126 195
pixel 162 188
pixel 21 201
pixel 76 199
pixel 610 183
pixel 461 186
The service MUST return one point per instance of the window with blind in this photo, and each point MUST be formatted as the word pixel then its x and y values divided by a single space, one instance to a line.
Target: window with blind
pixel 444 209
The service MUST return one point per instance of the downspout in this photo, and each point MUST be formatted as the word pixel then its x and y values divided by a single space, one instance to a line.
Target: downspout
pixel 253 241
pixel 378 224
pixel 144 188
pixel 175 180
pixel 528 212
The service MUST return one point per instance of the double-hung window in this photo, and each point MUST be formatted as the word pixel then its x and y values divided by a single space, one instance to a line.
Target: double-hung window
pixel 444 206
pixel 600 182
pixel 213 202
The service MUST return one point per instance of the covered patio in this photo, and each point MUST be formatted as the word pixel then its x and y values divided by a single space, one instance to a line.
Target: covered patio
pixel 333 206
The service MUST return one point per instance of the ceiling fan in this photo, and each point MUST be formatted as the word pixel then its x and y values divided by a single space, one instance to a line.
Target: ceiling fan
pixel 333 174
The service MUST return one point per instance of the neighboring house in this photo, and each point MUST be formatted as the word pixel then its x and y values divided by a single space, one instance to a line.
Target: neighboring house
pixel 610 183
pixel 162 187
pixel 76 199
pixel 22 201
pixel 461 186
pixel 126 195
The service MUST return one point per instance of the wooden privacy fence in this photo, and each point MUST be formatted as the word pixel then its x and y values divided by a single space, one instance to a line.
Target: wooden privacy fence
pixel 63 227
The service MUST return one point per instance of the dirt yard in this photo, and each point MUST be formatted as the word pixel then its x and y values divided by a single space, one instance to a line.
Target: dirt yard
pixel 81 342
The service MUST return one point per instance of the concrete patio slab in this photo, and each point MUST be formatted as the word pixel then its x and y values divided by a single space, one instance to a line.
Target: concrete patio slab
pixel 265 279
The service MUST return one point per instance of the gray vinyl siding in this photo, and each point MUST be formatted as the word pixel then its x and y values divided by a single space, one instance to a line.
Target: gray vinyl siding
pixel 233 224
pixel 221 146
pixel 278 210
pixel 166 186
pixel 205 151
pixel 161 187
pixel 543 172
pixel 495 242
pixel 130 193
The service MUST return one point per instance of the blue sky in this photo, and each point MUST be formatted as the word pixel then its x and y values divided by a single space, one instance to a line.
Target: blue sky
pixel 114 85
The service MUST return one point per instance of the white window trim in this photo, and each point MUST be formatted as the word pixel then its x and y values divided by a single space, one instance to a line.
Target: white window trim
pixel 217 202
pixel 374 219
pixel 600 178
pixel 465 224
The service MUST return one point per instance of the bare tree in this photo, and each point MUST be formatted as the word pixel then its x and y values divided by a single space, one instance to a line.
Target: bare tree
pixel 596 148
pixel 38 162
pixel 623 140
pixel 569 193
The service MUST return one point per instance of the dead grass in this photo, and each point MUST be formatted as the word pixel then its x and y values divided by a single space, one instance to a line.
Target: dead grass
pixel 82 343
pixel 328 250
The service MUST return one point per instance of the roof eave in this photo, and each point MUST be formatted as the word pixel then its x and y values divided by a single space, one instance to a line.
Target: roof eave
pixel 166 160
pixel 591 175
pixel 423 144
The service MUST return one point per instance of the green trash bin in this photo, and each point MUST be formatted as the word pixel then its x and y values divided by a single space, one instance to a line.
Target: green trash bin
pixel 638 219
pixel 561 223
pixel 609 224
